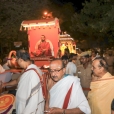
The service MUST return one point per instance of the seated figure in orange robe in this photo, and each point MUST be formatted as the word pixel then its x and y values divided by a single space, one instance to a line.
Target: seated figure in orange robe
pixel 43 48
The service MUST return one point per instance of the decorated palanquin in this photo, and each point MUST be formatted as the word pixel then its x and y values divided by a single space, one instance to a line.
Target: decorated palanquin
pixel 35 29
pixel 66 41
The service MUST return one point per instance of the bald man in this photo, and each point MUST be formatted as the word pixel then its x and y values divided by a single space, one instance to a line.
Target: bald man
pixel 101 94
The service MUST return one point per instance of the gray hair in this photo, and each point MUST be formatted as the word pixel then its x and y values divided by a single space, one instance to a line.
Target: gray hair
pixel 102 62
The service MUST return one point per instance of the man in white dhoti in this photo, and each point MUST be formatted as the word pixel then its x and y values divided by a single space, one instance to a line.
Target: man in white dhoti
pixel 56 103
pixel 29 97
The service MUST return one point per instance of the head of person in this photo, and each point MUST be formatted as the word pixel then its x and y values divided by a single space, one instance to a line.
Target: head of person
pixel 65 59
pixel 23 58
pixel 66 51
pixel 110 52
pixel 99 67
pixel 79 51
pixel 93 53
pixel 57 69
pixel 72 57
pixel 43 38
pixel 84 58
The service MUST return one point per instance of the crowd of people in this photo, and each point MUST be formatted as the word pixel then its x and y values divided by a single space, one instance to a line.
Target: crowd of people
pixel 79 83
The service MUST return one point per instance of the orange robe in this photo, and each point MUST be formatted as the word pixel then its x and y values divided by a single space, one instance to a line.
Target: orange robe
pixel 44 46
pixel 101 95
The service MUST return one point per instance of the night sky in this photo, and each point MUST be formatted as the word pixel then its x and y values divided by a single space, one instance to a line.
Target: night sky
pixel 76 3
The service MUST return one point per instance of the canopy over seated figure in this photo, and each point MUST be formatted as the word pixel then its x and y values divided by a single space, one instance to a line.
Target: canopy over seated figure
pixel 43 48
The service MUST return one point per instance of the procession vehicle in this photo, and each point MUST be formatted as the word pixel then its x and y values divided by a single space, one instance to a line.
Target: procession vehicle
pixel 50 28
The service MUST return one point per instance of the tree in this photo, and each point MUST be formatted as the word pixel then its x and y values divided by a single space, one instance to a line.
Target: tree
pixel 13 12
pixel 64 12
pixel 95 21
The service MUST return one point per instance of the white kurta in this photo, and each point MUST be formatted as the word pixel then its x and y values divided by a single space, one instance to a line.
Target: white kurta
pixel 77 98
pixel 27 82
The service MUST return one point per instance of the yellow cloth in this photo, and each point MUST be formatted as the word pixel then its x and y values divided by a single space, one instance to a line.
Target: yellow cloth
pixel 101 95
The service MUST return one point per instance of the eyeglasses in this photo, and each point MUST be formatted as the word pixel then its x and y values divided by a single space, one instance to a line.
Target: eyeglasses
pixel 56 71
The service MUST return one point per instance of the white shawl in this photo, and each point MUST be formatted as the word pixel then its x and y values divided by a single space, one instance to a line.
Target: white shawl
pixel 77 98
pixel 28 81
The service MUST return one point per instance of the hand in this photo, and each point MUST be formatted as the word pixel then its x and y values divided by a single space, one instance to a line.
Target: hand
pixel 55 110
pixel 13 52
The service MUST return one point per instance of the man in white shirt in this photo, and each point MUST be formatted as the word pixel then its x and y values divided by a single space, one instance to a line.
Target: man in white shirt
pixel 29 96
pixel 71 66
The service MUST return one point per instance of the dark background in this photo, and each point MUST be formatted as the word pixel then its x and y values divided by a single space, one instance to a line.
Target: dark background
pixel 76 3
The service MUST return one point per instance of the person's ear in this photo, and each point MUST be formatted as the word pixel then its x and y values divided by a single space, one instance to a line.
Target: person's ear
pixel 101 68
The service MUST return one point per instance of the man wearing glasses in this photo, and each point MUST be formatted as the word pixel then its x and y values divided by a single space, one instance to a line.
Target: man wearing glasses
pixel 29 96
pixel 65 85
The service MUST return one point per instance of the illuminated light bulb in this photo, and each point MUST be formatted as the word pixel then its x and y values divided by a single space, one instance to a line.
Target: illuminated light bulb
pixel 45 13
